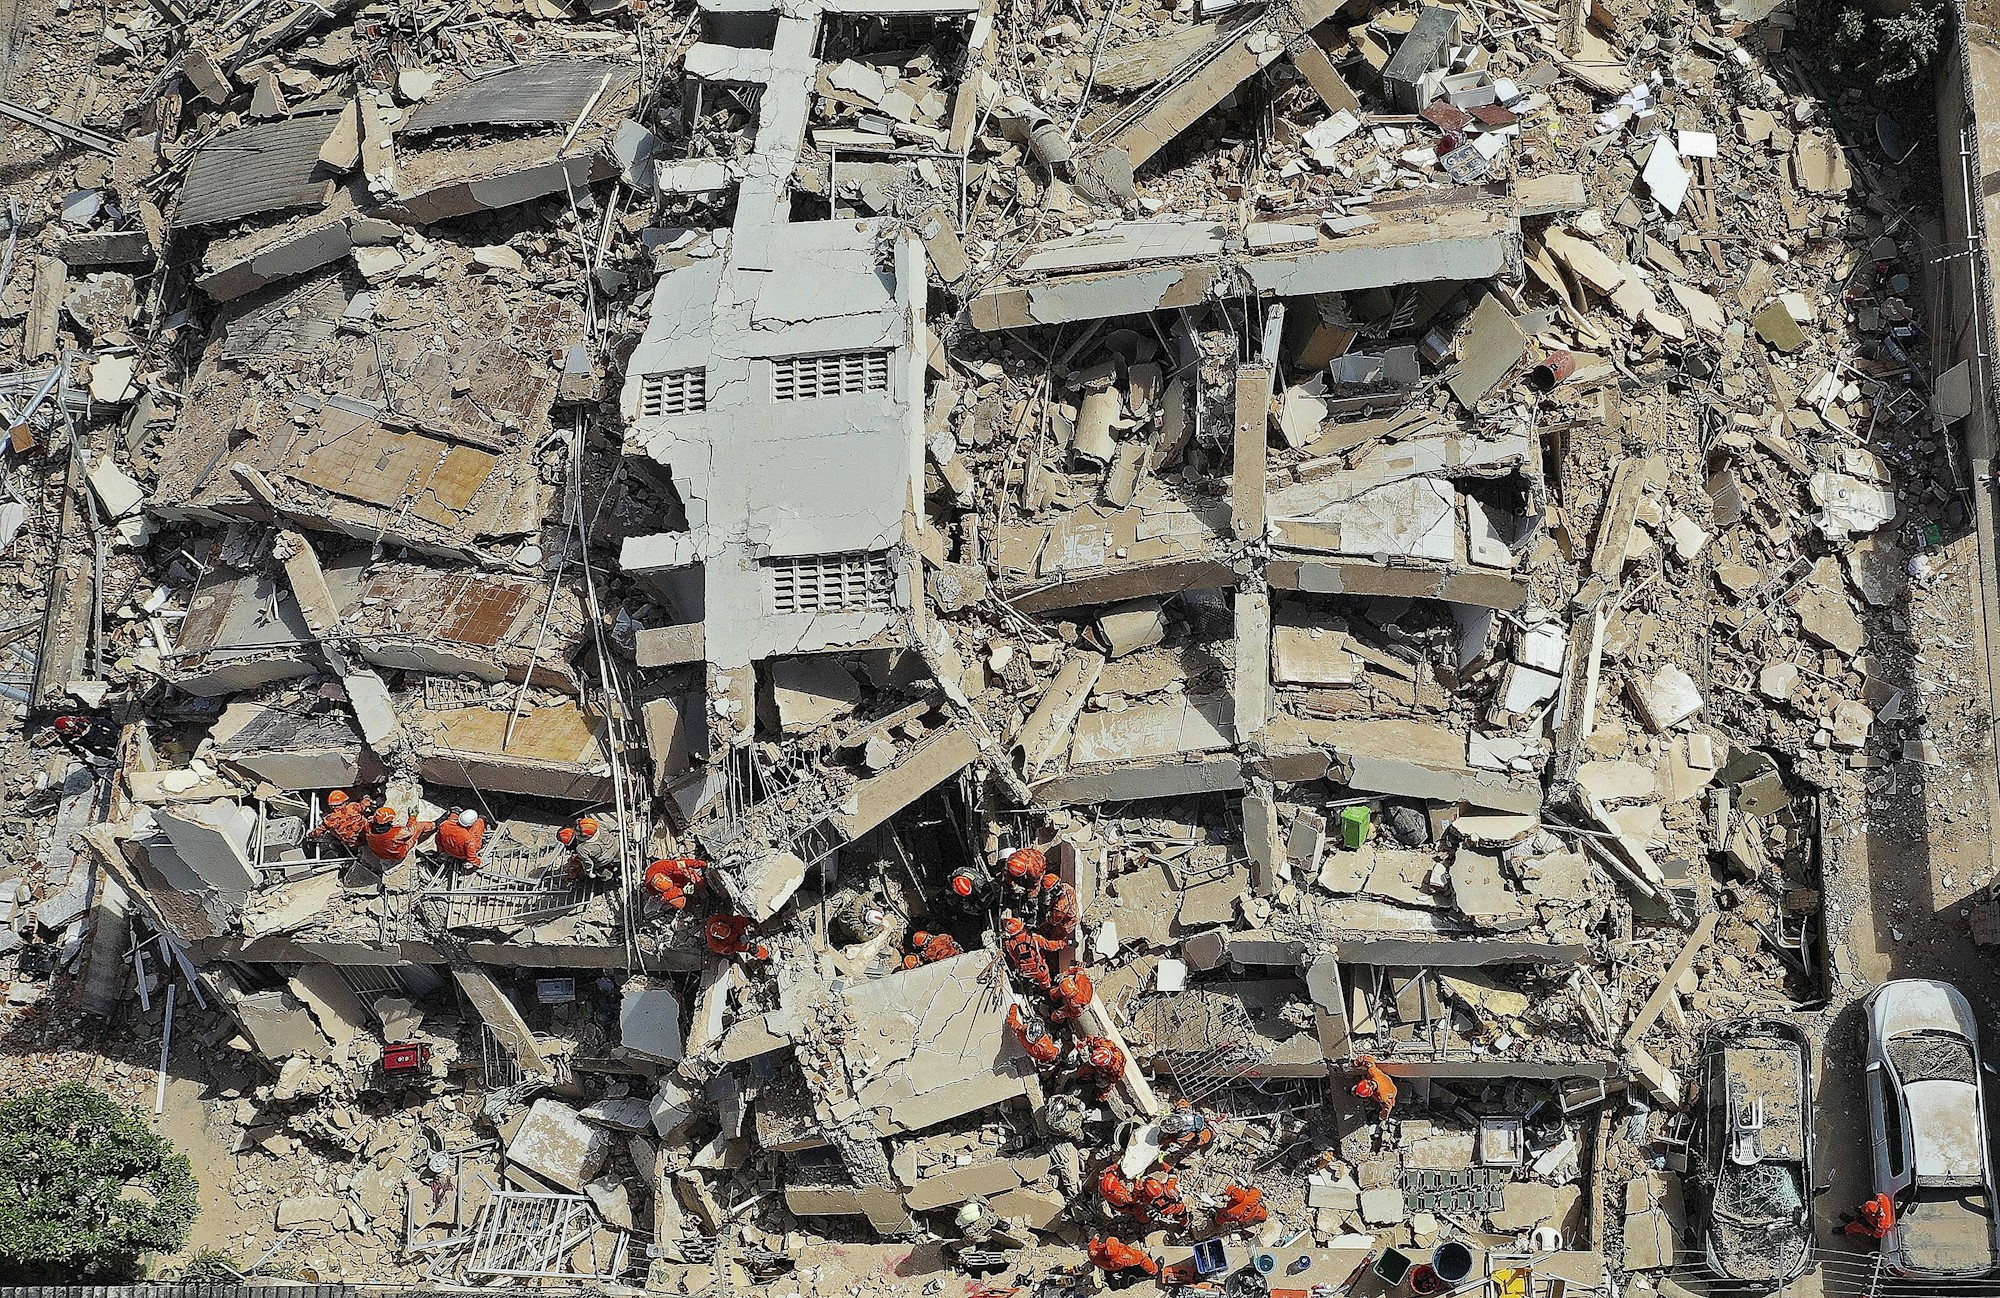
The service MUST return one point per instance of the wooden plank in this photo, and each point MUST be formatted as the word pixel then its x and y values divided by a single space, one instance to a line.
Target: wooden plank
pixel 1656 1004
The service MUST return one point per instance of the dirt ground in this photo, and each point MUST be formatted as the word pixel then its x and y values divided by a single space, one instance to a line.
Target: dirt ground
pixel 1898 906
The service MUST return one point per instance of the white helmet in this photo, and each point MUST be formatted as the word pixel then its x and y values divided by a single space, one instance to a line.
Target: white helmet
pixel 468 818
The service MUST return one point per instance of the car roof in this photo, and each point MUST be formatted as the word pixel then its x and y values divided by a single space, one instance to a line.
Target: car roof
pixel 1921 1005
pixel 1945 1143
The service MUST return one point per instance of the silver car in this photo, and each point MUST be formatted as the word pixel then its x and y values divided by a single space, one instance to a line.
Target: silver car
pixel 1928 1121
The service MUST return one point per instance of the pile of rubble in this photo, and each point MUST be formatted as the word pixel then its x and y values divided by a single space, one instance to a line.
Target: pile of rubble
pixel 1223 628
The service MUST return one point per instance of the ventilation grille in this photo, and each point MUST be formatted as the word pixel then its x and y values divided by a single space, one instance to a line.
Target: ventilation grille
pixel 677 392
pixel 801 378
pixel 832 583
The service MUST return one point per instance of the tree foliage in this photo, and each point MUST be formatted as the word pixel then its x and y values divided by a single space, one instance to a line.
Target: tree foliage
pixel 1888 49
pixel 86 1186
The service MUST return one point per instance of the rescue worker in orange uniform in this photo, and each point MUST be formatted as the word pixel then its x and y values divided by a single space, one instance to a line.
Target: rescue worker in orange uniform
pixel 461 836
pixel 965 891
pixel 1033 1034
pixel 1375 1085
pixel 1068 996
pixel 1023 875
pixel 729 935
pixel 1877 1218
pixel 1185 1130
pixel 1102 1063
pixel 595 849
pixel 1160 1201
pixel 346 818
pixel 1117 1191
pixel 1121 1263
pixel 929 948
pixel 675 879
pixel 1241 1208
pixel 1059 909
pixel 1025 952
pixel 392 836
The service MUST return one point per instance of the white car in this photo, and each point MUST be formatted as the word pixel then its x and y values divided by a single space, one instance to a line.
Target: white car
pixel 1928 1122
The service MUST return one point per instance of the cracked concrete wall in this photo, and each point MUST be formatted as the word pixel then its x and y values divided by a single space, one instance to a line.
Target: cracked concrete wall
pixel 815 476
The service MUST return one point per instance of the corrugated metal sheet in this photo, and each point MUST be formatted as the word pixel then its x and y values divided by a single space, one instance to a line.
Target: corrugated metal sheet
pixel 534 94
pixel 269 167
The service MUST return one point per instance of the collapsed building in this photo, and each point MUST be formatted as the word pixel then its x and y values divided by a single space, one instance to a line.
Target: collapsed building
pixel 1225 452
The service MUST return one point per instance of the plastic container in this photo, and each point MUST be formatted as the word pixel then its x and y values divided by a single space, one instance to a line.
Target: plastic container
pixel 1354 825
pixel 1452 1261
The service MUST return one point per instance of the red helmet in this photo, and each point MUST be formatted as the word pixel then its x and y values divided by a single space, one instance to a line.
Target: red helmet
pixel 961 883
pixel 721 930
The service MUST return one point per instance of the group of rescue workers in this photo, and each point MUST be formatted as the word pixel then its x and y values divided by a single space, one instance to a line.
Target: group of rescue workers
pixel 1038 917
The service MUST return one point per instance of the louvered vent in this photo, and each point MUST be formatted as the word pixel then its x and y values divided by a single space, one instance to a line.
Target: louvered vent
pixel 801 378
pixel 832 583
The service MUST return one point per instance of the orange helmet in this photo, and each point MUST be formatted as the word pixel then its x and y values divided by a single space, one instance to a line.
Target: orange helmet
pixel 587 826
pixel 1051 881
pixel 919 938
pixel 565 835
pixel 336 798
pixel 1103 1055
pixel 1074 984
pixel 385 815
pixel 1014 927
pixel 961 883
pixel 1026 862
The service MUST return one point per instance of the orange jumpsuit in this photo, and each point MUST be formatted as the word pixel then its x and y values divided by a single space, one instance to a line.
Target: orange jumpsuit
pixel 462 842
pixel 929 948
pixel 1033 1036
pixel 1878 1218
pixel 1060 911
pixel 728 935
pixel 1376 1085
pixel 1103 1063
pixel 1113 1256
pixel 392 842
pixel 1242 1208
pixel 1024 952
pixel 1025 868
pixel 346 821
pixel 1116 1191
pixel 675 879
pixel 1070 994
pixel 1160 1200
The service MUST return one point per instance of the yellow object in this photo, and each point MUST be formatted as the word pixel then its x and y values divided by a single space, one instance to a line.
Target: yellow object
pixel 1512 1281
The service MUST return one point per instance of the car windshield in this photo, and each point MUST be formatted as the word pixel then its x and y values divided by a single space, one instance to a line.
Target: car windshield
pixel 1932 1057
pixel 1757 1221
pixel 1761 1192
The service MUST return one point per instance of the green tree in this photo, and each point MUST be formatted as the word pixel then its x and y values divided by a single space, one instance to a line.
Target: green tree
pixel 86 1187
